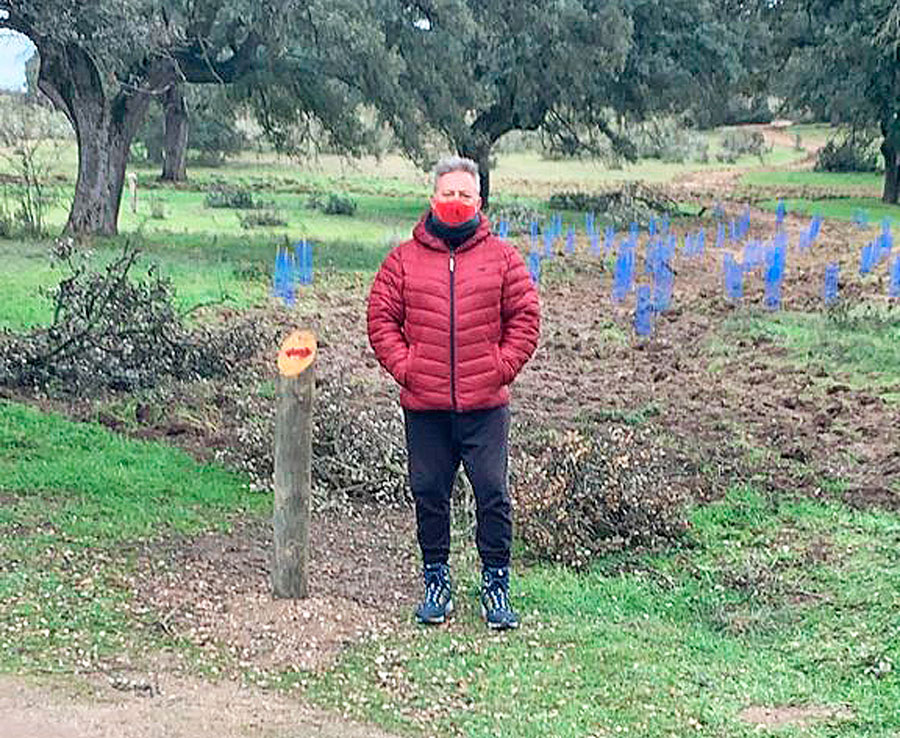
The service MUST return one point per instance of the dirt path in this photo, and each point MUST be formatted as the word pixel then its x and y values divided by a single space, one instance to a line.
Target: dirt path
pixel 724 179
pixel 174 708
pixel 213 589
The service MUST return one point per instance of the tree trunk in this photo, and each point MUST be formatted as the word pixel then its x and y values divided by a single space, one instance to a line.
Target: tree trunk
pixel 102 156
pixel 891 156
pixel 104 129
pixel 482 157
pixel 176 135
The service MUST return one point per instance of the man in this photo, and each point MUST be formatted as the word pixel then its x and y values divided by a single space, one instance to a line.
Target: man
pixel 453 316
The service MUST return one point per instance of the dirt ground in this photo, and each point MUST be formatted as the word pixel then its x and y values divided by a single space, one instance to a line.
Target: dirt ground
pixel 173 708
pixel 214 591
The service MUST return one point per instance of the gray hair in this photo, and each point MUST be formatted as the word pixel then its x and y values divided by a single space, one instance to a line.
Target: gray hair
pixel 456 164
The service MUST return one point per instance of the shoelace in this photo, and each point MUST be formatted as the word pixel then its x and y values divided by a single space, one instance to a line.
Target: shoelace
pixel 497 596
pixel 433 587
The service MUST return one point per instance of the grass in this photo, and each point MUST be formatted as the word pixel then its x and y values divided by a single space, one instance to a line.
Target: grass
pixel 104 487
pixel 75 498
pixel 871 181
pixel 770 602
pixel 863 340
pixel 842 208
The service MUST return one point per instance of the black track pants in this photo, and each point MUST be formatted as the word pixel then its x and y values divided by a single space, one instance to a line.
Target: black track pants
pixel 437 441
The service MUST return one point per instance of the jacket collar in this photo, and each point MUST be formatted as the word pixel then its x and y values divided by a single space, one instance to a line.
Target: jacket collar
pixel 421 234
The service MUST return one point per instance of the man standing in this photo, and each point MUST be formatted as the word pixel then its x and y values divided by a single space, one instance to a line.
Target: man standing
pixel 453 316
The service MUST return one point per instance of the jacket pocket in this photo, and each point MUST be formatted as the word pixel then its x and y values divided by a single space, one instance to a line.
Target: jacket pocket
pixel 501 370
pixel 408 366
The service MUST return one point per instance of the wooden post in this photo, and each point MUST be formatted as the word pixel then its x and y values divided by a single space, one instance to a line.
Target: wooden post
pixel 132 187
pixel 293 457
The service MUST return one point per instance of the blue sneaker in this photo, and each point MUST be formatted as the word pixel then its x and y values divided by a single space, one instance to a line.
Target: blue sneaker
pixel 495 607
pixel 438 603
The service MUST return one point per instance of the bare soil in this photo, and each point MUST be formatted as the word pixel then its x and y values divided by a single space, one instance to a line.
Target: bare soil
pixel 800 715
pixel 169 708
pixel 214 589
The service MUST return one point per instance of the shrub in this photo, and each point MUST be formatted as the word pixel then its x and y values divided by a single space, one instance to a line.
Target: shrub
pixel 666 141
pixel 112 331
pixel 738 143
pixel 6 220
pixel 236 198
pixel 583 493
pixel 339 205
pixel 262 218
pixel 331 203
pixel 854 152
pixel 627 203
pixel 519 215
pixel 157 208
pixel 358 449
pixel 577 494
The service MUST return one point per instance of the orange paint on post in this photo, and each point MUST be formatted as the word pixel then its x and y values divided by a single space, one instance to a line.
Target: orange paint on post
pixel 297 352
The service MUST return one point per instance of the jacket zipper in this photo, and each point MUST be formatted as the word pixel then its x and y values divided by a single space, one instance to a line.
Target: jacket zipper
pixel 452 337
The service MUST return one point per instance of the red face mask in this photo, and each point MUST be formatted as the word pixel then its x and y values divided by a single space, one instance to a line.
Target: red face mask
pixel 454 212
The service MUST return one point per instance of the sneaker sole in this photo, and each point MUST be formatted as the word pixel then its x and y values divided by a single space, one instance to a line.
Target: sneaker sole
pixel 440 618
pixel 496 626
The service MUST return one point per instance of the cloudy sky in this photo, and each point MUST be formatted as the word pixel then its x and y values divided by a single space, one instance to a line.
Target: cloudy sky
pixel 15 50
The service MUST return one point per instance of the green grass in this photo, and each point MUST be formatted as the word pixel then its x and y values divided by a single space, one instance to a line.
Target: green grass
pixel 871 181
pixel 773 603
pixel 204 268
pixel 862 340
pixel 841 208
pixel 75 499
pixel 105 487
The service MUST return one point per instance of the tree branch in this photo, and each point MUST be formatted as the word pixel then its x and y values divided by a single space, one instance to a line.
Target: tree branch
pixel 196 65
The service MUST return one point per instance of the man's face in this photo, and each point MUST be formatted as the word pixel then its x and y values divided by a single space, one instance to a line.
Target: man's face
pixel 457 186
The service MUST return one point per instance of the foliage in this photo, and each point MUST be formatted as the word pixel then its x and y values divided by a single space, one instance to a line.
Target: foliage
pixel 854 152
pixel 230 197
pixel 629 202
pixel 519 216
pixel 30 141
pixel 267 217
pixel 578 494
pixel 839 60
pixel 111 331
pixel 733 110
pixel 738 143
pixel 665 140
pixel 339 205
pixel 584 493
pixel 157 208
pixel 357 449
pixel 214 133
pixel 102 63
pixel 332 203
pixel 476 71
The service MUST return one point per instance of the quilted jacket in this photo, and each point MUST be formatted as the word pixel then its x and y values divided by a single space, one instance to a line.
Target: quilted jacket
pixel 453 328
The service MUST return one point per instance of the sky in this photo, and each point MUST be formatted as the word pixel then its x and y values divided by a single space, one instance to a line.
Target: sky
pixel 15 50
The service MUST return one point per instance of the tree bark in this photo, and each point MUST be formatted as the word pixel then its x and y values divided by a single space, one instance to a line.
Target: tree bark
pixel 104 129
pixel 175 135
pixel 481 155
pixel 891 193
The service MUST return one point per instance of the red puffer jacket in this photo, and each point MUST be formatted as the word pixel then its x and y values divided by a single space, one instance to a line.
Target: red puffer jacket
pixel 453 328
